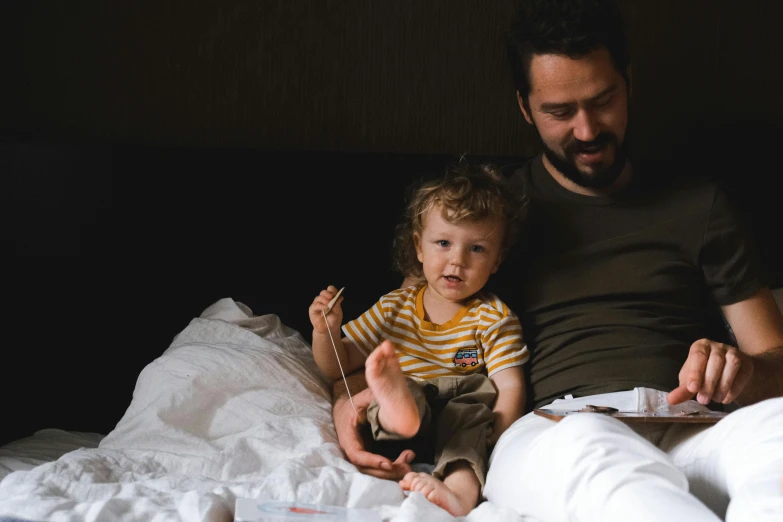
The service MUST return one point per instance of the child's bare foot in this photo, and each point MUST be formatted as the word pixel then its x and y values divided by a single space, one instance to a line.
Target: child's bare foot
pixel 398 412
pixel 436 492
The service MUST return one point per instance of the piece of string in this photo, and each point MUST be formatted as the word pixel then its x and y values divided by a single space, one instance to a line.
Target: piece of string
pixel 323 312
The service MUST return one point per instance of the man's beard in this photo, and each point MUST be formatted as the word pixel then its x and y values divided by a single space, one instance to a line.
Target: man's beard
pixel 566 165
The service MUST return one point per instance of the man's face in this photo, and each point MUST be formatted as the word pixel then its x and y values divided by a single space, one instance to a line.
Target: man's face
pixel 580 110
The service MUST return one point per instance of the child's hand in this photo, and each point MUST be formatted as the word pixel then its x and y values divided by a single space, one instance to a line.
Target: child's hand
pixel 335 317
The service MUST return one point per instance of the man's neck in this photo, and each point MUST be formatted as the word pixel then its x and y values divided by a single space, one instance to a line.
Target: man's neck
pixel 620 183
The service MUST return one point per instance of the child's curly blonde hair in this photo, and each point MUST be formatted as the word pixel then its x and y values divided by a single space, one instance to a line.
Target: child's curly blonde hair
pixel 467 192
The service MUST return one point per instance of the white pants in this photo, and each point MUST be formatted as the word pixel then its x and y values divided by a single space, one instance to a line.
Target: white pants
pixel 591 467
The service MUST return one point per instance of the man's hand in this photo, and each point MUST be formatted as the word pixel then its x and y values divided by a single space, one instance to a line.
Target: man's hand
pixel 713 371
pixel 350 438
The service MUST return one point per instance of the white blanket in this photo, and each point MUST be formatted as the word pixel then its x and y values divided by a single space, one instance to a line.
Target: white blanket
pixel 235 407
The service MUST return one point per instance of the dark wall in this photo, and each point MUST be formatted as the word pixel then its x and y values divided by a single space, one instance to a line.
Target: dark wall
pixel 406 77
pixel 333 75
pixel 113 249
pixel 159 155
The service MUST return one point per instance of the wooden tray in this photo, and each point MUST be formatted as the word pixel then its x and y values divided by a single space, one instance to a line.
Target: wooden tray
pixel 635 417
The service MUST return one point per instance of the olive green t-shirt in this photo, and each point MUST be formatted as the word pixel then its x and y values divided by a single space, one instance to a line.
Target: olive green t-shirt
pixel 612 292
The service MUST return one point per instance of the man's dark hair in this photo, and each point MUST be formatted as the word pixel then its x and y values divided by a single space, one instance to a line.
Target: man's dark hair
pixel 572 28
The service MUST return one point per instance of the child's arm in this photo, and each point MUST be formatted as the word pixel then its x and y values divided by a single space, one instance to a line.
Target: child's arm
pixel 510 403
pixel 323 351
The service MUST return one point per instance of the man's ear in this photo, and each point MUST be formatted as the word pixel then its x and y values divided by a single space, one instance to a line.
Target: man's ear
pixel 525 113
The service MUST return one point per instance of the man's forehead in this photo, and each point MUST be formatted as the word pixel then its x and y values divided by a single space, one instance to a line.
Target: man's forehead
pixel 556 78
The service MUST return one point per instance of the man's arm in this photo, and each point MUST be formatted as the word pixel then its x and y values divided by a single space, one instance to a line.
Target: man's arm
pixel 748 373
pixel 349 435
pixel 510 404
pixel 758 326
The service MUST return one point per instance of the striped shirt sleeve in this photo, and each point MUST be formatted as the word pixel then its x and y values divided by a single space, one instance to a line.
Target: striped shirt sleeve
pixel 365 331
pixel 502 342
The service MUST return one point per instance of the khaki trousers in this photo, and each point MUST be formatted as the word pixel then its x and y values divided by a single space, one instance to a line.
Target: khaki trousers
pixel 456 421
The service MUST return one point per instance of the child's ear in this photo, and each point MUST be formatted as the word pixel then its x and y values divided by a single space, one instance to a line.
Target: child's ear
pixel 417 244
pixel 498 261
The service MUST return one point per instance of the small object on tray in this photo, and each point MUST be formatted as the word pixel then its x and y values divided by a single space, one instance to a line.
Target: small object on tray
pixel 599 409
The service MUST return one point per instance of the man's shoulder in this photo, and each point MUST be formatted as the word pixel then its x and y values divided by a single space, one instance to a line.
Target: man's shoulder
pixel 658 177
pixel 519 169
pixel 690 192
pixel 523 174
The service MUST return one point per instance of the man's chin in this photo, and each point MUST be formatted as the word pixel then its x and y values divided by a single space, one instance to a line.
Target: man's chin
pixel 594 177
pixel 588 174
pixel 593 171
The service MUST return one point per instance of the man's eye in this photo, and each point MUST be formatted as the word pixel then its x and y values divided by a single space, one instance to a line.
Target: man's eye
pixel 603 102
pixel 477 248
pixel 561 115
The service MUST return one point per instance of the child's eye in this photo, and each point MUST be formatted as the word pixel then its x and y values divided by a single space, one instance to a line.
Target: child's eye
pixel 443 242
pixel 477 248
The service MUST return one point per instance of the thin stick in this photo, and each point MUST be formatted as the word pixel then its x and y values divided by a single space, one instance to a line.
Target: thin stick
pixel 334 300
pixel 323 312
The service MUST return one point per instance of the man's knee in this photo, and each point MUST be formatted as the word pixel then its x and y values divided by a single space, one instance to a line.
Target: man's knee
pixel 580 439
pixel 585 429
pixel 758 422
pixel 581 460
pixel 771 409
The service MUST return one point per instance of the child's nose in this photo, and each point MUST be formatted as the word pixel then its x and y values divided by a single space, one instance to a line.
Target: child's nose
pixel 458 257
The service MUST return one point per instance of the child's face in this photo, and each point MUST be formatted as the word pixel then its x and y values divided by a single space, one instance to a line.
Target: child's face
pixel 458 258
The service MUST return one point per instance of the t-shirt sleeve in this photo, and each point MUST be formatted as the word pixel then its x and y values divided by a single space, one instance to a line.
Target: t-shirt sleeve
pixel 729 259
pixel 365 331
pixel 503 345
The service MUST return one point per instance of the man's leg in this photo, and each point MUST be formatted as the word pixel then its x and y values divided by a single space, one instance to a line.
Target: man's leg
pixel 587 467
pixel 741 458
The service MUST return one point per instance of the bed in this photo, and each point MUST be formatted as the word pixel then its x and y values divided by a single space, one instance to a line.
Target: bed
pixel 235 407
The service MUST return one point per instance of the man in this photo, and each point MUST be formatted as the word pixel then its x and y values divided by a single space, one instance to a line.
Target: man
pixel 614 290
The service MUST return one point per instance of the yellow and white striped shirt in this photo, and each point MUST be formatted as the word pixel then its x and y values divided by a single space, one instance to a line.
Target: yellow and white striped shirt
pixel 484 336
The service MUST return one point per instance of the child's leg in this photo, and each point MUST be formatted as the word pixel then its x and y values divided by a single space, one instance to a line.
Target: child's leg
pixel 398 412
pixel 462 429
pixel 458 493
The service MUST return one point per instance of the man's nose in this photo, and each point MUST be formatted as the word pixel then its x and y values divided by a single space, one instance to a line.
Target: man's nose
pixel 586 127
